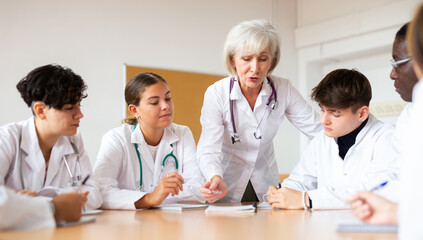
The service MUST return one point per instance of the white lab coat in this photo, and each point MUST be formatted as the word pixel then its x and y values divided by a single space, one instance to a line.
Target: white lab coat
pixel 34 166
pixel 391 190
pixel 401 129
pixel 252 159
pixel 22 212
pixel 411 191
pixel 330 180
pixel 117 169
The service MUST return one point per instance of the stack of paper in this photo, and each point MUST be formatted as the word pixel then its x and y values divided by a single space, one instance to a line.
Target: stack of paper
pixel 264 205
pixel 91 212
pixel 85 219
pixel 357 226
pixel 231 209
pixel 180 206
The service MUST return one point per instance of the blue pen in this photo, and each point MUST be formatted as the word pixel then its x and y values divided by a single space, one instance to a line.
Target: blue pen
pixel 379 186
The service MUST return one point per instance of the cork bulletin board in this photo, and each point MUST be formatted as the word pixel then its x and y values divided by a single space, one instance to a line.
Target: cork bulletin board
pixel 187 89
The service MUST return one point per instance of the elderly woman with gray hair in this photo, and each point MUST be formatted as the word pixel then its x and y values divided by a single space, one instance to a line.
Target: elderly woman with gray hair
pixel 241 115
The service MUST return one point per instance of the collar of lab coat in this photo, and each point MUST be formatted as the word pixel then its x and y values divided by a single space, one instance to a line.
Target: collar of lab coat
pixel 29 140
pixel 169 136
pixel 34 157
pixel 363 132
pixel 265 91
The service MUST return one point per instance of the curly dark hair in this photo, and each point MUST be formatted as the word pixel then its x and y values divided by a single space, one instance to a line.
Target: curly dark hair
pixel 343 88
pixel 53 85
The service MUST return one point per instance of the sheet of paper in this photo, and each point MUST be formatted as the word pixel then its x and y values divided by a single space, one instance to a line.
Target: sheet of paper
pixel 180 206
pixel 91 212
pixel 352 225
pixel 264 205
pixel 231 209
pixel 83 220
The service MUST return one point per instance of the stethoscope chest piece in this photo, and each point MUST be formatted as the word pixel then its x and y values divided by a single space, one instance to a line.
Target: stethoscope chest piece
pixel 235 139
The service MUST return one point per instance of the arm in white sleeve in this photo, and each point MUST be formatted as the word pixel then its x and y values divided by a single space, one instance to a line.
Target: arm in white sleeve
pixel 107 169
pixel 381 169
pixel 23 212
pixel 301 114
pixel 304 176
pixel 193 179
pixel 209 154
pixel 8 148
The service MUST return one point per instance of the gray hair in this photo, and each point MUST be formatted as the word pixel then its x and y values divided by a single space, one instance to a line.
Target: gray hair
pixel 251 37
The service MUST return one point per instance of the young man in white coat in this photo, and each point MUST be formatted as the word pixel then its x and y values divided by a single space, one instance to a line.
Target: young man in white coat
pixel 18 211
pixel 351 154
pixel 44 155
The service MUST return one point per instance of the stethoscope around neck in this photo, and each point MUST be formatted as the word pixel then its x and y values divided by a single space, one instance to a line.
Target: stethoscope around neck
pixel 269 103
pixel 163 162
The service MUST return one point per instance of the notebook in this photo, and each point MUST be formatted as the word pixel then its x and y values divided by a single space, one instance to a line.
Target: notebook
pixel 358 226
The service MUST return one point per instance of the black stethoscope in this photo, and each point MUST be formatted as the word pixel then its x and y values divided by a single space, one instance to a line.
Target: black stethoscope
pixel 235 137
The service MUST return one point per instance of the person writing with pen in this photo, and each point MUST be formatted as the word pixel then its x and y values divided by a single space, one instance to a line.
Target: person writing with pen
pixel 352 153
pixel 44 156
pixel 148 160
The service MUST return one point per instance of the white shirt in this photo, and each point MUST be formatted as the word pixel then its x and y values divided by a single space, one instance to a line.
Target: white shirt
pixel 252 159
pixel 21 137
pixel 22 212
pixel 331 180
pixel 118 170
pixel 411 192
pixel 153 150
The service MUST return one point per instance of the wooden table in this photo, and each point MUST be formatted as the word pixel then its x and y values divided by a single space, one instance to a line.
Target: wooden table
pixel 195 224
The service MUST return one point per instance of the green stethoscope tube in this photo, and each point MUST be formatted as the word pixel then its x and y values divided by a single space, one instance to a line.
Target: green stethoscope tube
pixel 163 162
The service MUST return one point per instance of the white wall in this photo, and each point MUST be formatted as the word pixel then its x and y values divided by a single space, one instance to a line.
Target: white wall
pixel 286 142
pixel 312 11
pixel 347 34
pixel 95 38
